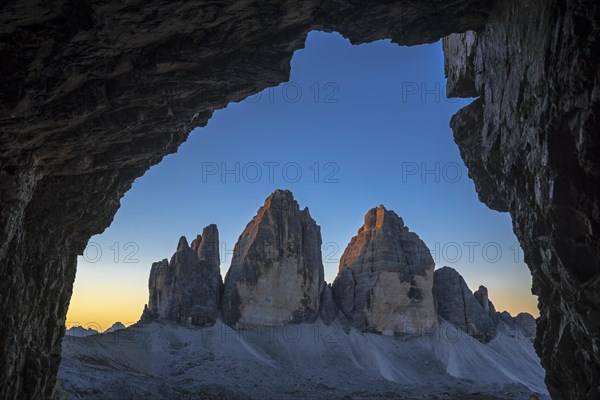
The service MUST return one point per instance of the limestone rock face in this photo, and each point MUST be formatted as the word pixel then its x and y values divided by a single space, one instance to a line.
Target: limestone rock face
pixel 482 297
pixel 459 52
pixel 474 313
pixel 458 305
pixel 187 289
pixel 328 310
pixel 276 275
pixel 385 277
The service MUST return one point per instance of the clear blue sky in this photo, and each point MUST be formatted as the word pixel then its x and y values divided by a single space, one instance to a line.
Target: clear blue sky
pixel 371 119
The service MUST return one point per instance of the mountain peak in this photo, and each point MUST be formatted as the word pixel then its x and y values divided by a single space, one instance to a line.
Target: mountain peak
pixel 183 244
pixel 276 274
pixel 282 193
pixel 281 199
pixel 115 327
pixel 385 277
pixel 380 217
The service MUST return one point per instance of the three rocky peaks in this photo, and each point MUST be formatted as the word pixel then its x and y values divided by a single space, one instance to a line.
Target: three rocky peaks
pixel 387 282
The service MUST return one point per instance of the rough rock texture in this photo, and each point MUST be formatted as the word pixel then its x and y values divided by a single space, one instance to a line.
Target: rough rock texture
pixel 94 93
pixel 187 290
pixel 306 362
pixel 115 327
pixel 328 310
pixel 531 145
pixel 276 275
pixel 458 305
pixel 80 331
pixel 525 322
pixel 459 51
pixel 385 278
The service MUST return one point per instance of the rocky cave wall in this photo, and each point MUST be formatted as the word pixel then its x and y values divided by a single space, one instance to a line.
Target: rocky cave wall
pixel 93 93
pixel 531 145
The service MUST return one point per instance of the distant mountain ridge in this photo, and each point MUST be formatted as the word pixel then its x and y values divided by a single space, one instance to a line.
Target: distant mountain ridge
pixel 386 283
pixel 115 327
pixel 80 331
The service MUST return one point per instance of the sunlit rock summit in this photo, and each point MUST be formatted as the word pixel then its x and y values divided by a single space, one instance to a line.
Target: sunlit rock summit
pixel 385 277
pixel 276 275
pixel 187 290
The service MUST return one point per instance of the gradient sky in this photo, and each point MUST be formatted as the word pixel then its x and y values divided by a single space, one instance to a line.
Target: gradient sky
pixel 356 126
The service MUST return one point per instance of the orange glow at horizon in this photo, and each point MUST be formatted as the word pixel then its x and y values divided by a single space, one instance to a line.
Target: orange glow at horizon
pixel 104 295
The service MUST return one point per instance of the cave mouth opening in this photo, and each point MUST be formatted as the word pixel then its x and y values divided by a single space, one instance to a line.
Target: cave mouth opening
pixel 347 132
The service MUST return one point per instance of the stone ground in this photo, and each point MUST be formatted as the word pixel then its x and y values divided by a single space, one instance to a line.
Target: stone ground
pixel 308 361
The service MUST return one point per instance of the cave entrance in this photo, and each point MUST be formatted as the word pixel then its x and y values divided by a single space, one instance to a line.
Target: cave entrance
pixel 355 127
